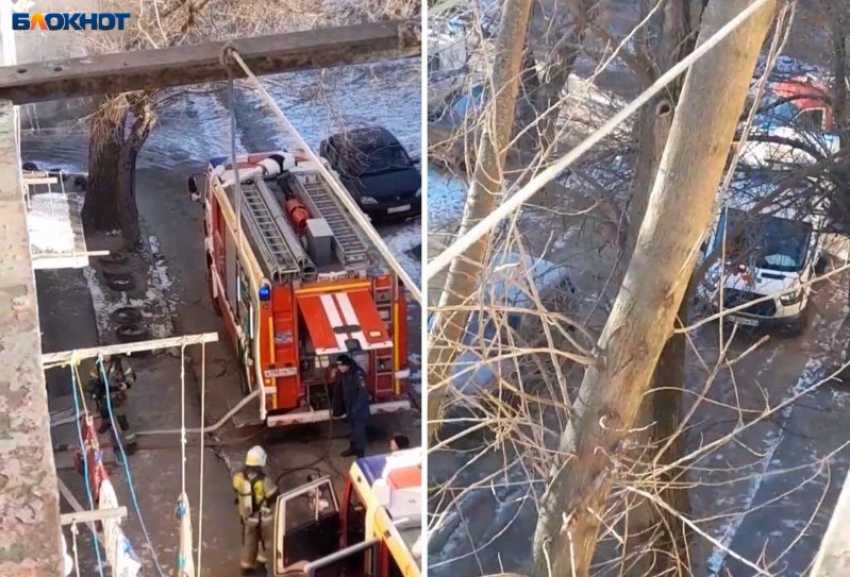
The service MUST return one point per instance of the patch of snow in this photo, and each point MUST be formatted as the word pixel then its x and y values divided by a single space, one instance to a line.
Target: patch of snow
pixel 401 243
pixel 446 199
pixel 49 221
pixel 812 373
pixel 159 272
pixel 196 128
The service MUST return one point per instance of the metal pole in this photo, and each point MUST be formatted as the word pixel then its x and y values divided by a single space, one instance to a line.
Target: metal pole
pixel 91 516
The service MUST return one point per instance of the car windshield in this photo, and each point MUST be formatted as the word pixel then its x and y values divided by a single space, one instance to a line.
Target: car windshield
pixel 782 114
pixel 767 242
pixel 361 158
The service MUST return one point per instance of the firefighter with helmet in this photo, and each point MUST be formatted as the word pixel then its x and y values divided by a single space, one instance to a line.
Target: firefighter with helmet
pixel 255 496
pixel 120 378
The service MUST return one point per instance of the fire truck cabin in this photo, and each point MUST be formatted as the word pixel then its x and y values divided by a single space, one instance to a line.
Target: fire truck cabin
pixel 298 285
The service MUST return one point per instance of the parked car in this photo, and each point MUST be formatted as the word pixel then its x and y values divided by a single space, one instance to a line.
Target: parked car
pixel 771 255
pixel 377 171
pixel 509 286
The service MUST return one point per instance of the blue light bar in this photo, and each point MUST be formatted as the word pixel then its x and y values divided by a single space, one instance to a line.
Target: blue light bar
pixel 265 293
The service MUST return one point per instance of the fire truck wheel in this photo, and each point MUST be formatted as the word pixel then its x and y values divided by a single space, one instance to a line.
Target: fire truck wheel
pixel 132 333
pixel 29 167
pixel 114 259
pixel 127 315
pixel 121 283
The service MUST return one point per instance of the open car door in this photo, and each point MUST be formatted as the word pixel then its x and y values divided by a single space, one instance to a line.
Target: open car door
pixel 360 560
pixel 306 526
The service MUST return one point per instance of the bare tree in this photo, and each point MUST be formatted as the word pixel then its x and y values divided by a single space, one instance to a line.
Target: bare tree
pixel 678 213
pixel 484 196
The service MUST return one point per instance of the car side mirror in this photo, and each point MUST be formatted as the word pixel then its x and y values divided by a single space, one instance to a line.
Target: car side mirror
pixel 193 188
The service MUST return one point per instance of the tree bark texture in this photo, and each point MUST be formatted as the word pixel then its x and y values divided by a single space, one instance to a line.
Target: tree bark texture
pixel 484 196
pixel 643 316
pixel 661 409
pixel 110 201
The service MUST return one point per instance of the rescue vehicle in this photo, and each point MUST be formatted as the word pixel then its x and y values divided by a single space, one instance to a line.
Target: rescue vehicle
pixel 297 285
pixel 375 531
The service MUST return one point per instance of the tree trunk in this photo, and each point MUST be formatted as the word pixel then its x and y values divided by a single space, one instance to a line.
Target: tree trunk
pixel 661 409
pixel 128 211
pixel 100 209
pixel 110 201
pixel 484 196
pixel 642 320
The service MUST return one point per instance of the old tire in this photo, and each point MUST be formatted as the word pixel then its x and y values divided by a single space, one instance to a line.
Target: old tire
pixel 127 316
pixel 114 259
pixel 112 271
pixel 132 333
pixel 121 283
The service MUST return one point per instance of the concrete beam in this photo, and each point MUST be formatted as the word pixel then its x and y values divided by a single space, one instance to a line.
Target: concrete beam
pixel 30 543
pixel 197 64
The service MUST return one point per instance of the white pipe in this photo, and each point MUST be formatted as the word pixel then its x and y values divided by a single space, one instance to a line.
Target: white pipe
pixel 211 428
pixel 241 404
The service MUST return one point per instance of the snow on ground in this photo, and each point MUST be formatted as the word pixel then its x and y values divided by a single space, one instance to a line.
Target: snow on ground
pixel 404 244
pixel 195 128
pixel 318 104
pixel 49 221
pixel 446 199
pixel 812 374
pixel 159 272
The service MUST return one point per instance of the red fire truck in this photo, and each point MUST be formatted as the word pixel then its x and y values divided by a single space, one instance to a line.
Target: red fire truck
pixel 297 285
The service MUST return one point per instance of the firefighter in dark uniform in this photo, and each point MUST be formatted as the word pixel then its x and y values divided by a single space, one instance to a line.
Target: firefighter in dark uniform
pixel 120 378
pixel 352 384
pixel 255 496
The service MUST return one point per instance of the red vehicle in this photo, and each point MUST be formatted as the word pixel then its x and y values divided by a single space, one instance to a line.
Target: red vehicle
pixel 375 530
pixel 297 285
pixel 810 101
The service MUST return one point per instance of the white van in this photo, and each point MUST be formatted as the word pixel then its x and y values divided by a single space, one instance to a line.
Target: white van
pixel 770 255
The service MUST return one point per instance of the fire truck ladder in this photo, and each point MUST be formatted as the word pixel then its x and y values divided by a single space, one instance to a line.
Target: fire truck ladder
pixel 277 254
pixel 348 246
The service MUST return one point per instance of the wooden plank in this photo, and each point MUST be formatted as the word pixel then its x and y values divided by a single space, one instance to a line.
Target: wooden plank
pixel 63 357
pixel 91 516
pixel 50 255
pixel 31 181
pixel 200 63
